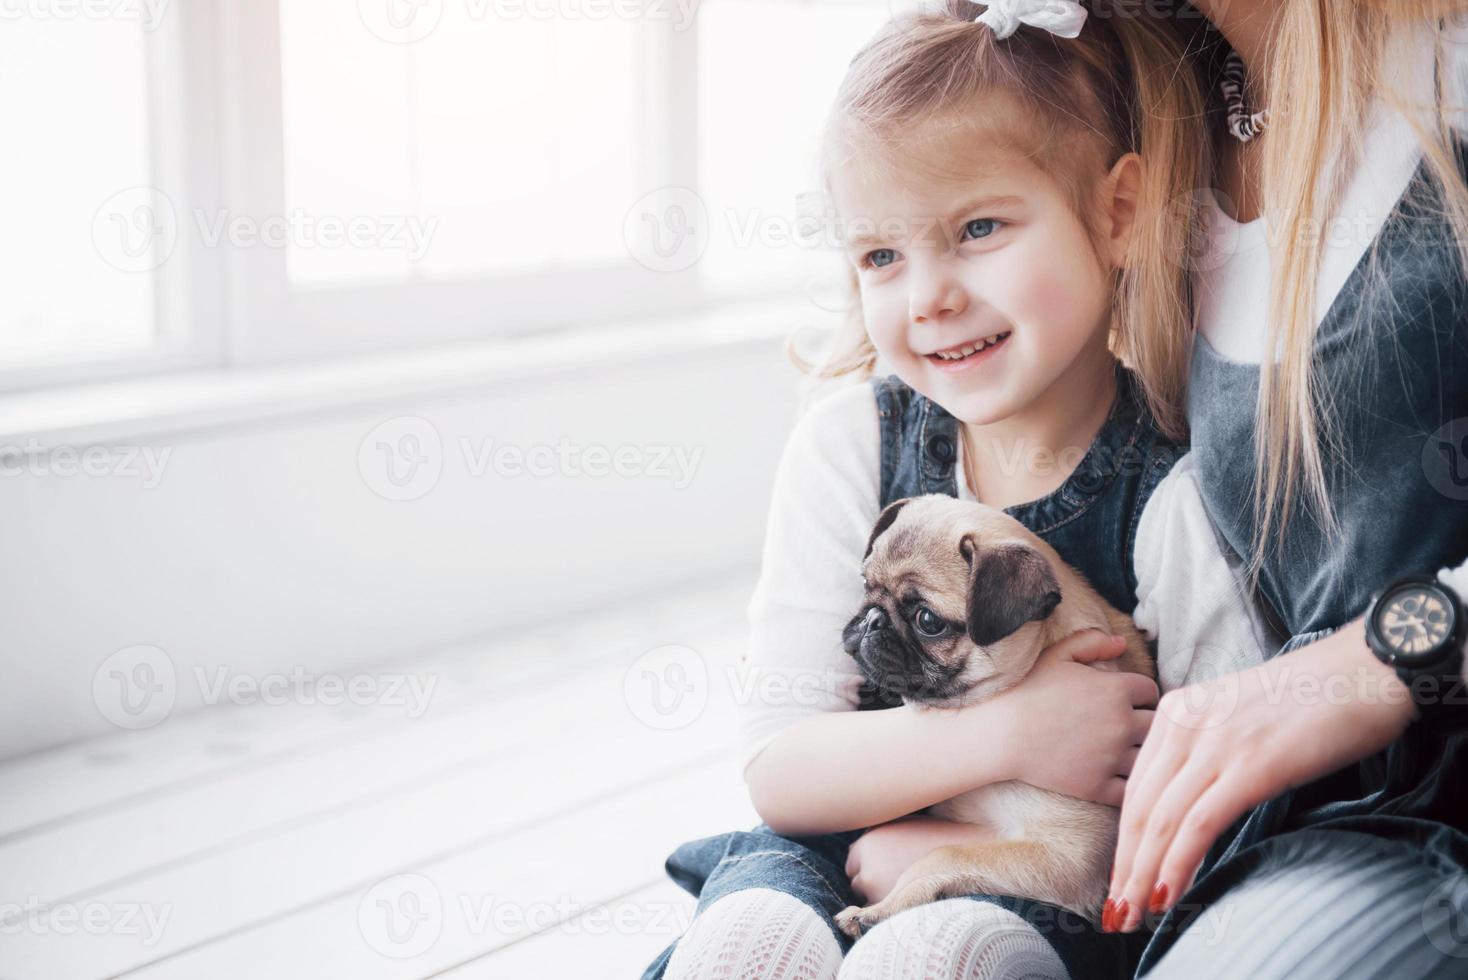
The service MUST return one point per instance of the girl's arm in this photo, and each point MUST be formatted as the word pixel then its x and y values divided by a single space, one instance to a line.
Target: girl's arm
pixel 1068 728
pixel 813 763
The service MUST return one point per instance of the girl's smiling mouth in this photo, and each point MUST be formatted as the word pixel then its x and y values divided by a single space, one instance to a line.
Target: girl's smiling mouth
pixel 970 352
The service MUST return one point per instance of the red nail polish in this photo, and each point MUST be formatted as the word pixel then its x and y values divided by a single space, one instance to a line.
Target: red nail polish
pixel 1158 905
pixel 1122 909
pixel 1108 915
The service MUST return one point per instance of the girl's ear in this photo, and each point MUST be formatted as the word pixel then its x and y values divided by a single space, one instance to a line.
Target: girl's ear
pixel 1120 193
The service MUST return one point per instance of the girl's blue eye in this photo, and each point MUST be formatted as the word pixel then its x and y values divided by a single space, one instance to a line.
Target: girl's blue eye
pixel 881 257
pixel 980 228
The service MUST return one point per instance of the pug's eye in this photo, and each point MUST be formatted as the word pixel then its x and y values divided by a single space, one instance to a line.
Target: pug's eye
pixel 929 623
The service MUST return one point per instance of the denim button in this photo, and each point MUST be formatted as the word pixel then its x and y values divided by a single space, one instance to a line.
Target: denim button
pixel 1087 479
pixel 940 447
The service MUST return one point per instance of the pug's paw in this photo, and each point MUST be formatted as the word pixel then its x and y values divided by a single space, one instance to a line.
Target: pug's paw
pixel 853 919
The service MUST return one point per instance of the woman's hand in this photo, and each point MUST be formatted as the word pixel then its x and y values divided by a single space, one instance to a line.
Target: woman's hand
pixel 1077 730
pixel 1219 748
pixel 878 858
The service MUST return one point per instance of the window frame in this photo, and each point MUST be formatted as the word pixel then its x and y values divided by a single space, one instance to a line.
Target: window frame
pixel 270 321
pixel 182 141
pixel 216 133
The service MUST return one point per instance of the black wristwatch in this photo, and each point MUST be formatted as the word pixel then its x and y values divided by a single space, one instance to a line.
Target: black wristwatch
pixel 1417 626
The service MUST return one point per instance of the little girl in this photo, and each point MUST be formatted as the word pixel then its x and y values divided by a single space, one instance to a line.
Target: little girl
pixel 1013 187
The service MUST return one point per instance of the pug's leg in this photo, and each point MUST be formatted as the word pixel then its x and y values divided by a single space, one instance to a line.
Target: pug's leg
pixel 955 939
pixel 1025 868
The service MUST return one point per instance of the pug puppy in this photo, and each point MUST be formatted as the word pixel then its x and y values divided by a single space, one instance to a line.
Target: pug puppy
pixel 960 601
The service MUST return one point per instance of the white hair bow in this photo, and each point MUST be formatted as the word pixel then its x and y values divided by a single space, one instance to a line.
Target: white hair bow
pixel 1062 18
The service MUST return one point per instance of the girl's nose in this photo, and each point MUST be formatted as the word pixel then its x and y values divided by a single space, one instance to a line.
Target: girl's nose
pixel 935 296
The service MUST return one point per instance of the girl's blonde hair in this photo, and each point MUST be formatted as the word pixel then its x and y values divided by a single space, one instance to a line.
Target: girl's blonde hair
pixel 1327 64
pixel 1122 86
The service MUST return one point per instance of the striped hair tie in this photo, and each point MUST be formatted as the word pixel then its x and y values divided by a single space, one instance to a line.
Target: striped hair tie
pixel 1241 122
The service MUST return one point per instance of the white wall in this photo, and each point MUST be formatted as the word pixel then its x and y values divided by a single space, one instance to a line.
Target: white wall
pixel 263 547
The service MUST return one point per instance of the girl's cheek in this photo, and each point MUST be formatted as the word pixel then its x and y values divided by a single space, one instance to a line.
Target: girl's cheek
pixel 1056 295
pixel 885 310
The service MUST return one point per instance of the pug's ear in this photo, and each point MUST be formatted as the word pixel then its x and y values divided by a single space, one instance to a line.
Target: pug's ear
pixel 1009 585
pixel 884 521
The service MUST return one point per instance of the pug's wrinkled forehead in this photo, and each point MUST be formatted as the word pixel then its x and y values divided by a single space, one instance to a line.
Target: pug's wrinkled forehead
pixel 931 528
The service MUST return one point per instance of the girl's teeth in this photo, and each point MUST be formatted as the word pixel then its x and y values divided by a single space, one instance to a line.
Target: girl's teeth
pixel 968 349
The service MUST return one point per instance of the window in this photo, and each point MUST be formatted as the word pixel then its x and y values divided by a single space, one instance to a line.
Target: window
pixel 215 182
pixel 767 71
pixel 85 236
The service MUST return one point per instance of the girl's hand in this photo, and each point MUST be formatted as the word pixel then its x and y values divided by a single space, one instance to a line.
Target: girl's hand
pixel 878 858
pixel 1221 747
pixel 1077 730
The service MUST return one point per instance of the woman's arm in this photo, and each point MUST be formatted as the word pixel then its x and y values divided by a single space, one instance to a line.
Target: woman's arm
pixel 1223 746
pixel 1226 745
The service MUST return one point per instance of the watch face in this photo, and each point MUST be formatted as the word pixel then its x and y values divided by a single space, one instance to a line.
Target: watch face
pixel 1414 622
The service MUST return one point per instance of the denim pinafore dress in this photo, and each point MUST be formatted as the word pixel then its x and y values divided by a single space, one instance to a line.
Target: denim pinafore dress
pixel 1393 353
pixel 1091 520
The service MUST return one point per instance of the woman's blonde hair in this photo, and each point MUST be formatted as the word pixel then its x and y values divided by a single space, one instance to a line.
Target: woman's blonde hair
pixel 1327 64
pixel 1121 86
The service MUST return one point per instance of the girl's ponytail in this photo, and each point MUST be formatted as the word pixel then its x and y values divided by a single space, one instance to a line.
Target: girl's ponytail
pixel 1155 301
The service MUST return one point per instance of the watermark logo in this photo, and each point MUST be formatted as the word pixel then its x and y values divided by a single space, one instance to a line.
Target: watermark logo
pixel 1203 704
pixel 667 230
pixel 136 230
pixel 400 21
pixel 1445 459
pixel 135 687
pixel 401 459
pixel 1445 916
pixel 402 916
pixel 667 687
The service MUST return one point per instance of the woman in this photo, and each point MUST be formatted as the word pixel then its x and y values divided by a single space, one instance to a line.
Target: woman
pixel 1329 824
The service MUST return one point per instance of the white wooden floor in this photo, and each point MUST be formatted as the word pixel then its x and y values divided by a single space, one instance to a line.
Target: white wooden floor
pixel 516 829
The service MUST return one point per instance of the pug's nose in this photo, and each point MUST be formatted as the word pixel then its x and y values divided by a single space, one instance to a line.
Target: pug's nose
pixel 876 619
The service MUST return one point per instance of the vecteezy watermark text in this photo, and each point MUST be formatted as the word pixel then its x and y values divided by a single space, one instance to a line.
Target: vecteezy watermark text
pixel 34 917
pixel 137 687
pixel 142 463
pixel 148 14
pixel 411 21
pixel 403 458
pixel 138 229
pixel 404 916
